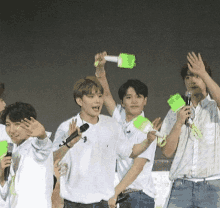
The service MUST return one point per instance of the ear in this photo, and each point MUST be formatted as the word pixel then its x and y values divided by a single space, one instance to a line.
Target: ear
pixel 145 101
pixel 79 101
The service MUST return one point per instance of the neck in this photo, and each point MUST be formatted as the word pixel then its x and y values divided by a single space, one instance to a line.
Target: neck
pixel 88 118
pixel 197 98
pixel 129 117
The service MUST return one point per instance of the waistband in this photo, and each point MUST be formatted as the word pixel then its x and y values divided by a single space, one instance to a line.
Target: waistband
pixel 130 190
pixel 203 179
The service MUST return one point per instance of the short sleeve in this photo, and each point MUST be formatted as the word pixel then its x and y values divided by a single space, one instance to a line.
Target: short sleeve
pixel 60 135
pixel 168 123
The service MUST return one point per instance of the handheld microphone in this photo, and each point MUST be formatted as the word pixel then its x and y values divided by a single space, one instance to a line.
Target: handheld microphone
pixel 124 60
pixel 82 128
pixel 188 100
pixel 9 153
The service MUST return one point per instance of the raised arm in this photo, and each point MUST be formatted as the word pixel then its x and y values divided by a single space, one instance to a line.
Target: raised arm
pixel 101 75
pixel 172 139
pixel 61 152
pixel 197 67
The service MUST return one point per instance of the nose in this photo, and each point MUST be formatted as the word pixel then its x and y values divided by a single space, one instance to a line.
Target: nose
pixel 97 98
pixel 134 100
pixel 11 129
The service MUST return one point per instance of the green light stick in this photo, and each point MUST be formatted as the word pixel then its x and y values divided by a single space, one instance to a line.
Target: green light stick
pixel 143 124
pixel 124 60
pixel 3 149
pixel 176 102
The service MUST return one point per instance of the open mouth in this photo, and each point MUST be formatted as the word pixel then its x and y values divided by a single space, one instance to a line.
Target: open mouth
pixel 96 108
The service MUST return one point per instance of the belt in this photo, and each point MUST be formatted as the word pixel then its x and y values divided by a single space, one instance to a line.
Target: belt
pixel 130 190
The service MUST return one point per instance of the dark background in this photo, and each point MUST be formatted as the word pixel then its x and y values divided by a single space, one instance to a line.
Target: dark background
pixel 45 46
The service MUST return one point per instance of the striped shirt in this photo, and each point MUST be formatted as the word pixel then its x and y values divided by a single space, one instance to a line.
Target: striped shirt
pixel 197 158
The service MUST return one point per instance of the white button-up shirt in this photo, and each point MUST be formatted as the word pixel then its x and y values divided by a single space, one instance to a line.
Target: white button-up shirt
pixel 144 181
pixel 33 184
pixel 197 158
pixel 91 165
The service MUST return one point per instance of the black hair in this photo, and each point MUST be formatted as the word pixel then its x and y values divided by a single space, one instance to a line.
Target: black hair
pixel 185 69
pixel 139 87
pixel 18 111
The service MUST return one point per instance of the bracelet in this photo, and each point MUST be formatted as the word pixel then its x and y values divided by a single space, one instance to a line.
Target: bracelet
pixel 67 145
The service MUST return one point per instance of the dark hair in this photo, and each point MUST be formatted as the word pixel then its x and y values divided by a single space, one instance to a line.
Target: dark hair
pixel 18 111
pixel 2 89
pixel 185 69
pixel 139 87
pixel 85 86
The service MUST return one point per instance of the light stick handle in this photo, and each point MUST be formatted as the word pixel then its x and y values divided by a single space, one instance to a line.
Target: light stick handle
pixel 112 58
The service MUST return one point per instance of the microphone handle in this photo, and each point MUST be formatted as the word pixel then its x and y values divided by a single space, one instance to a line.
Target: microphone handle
pixel 72 136
pixel 7 169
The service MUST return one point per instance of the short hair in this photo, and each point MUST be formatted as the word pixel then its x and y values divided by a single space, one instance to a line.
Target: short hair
pixel 185 69
pixel 139 87
pixel 2 89
pixel 85 86
pixel 18 111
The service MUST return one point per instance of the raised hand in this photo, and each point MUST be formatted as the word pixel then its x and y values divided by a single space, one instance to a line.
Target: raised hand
pixel 72 129
pixel 100 63
pixel 33 128
pixel 196 65
pixel 157 123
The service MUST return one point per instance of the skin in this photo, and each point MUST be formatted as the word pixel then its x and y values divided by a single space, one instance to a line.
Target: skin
pixel 133 105
pixel 2 105
pixel 197 82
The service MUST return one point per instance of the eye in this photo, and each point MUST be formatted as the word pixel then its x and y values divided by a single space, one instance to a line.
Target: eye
pixel 187 77
pixel 128 97
pixel 90 96
pixel 100 96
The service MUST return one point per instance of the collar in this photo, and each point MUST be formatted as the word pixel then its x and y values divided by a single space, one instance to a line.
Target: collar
pixel 80 121
pixel 205 101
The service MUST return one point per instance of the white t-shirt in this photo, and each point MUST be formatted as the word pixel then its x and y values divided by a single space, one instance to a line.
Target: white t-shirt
pixel 144 181
pixel 33 184
pixel 3 137
pixel 91 165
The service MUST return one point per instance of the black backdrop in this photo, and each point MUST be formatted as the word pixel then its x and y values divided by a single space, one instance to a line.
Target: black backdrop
pixel 45 46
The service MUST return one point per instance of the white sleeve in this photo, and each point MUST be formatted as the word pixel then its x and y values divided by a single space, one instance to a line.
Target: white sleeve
pixel 119 113
pixel 4 191
pixel 42 148
pixel 168 123
pixel 60 136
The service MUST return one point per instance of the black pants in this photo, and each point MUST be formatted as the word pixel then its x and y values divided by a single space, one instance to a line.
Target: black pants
pixel 101 204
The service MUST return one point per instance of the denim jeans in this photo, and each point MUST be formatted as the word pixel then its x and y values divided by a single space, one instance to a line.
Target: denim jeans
pixel 101 204
pixel 138 200
pixel 188 194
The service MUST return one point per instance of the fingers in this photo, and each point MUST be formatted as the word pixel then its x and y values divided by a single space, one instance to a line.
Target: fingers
pixel 6 162
pixel 72 126
pixel 99 59
pixel 157 123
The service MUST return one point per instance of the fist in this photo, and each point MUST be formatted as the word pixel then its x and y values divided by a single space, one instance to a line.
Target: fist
pixel 100 59
pixel 183 114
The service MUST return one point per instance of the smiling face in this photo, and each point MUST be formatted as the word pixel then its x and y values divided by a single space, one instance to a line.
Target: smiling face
pixel 133 103
pixel 194 84
pixel 91 105
pixel 17 134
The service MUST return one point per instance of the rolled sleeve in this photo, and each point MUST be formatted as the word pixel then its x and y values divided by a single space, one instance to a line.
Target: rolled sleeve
pixel 168 123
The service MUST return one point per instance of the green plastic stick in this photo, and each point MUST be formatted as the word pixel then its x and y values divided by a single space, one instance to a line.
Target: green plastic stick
pixel 176 102
pixel 3 148
pixel 141 122
pixel 126 61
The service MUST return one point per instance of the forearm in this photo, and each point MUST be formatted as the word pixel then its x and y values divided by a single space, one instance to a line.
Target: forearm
pixel 131 175
pixel 139 148
pixel 60 153
pixel 108 99
pixel 213 87
pixel 172 141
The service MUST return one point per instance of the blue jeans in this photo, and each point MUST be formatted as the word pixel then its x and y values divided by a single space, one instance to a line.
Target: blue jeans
pixel 188 194
pixel 138 200
pixel 101 204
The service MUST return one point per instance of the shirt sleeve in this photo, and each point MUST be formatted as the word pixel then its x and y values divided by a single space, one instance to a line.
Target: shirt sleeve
pixel 124 147
pixel 119 113
pixel 149 153
pixel 168 123
pixel 4 191
pixel 60 136
pixel 42 148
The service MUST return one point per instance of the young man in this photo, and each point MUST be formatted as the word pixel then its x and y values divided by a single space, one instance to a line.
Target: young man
pixel 134 174
pixel 89 181
pixel 30 181
pixel 195 170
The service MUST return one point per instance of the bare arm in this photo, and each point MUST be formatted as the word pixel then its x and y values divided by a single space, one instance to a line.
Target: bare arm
pixel 129 178
pixel 101 76
pixel 197 67
pixel 173 138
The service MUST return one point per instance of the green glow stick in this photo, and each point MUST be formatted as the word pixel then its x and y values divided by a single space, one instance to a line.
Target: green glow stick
pixel 143 124
pixel 3 149
pixel 176 102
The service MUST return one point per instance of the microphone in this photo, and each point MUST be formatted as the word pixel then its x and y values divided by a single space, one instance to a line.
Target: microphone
pixel 82 128
pixel 124 60
pixel 188 100
pixel 9 153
